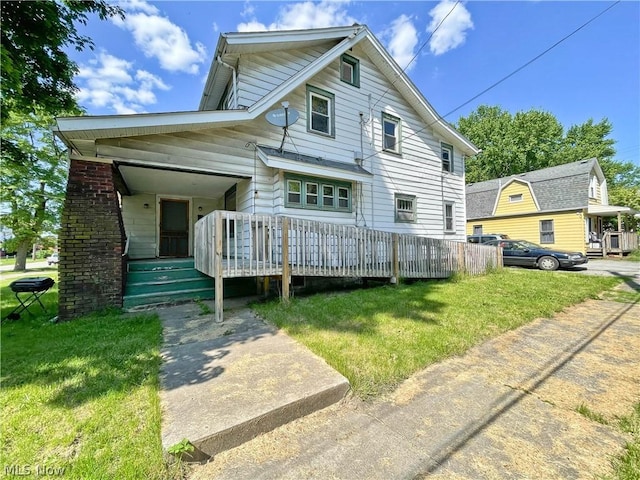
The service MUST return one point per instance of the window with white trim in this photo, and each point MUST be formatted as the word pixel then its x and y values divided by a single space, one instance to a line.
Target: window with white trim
pixel 294 192
pixel 593 187
pixel 350 70
pixel 446 153
pixel 391 133
pixel 515 198
pixel 449 217
pixel 546 232
pixel 320 111
pixel 328 196
pixel 316 193
pixel 477 229
pixel 405 208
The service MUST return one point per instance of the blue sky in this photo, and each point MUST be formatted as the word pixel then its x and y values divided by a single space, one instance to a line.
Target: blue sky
pixel 156 60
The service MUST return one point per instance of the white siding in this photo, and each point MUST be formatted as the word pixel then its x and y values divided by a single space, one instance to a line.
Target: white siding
pixel 417 171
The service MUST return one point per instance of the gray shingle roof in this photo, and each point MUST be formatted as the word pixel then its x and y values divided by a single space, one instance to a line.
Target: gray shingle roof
pixel 556 188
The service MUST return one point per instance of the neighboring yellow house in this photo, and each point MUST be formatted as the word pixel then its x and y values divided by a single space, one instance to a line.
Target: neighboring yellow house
pixel 564 207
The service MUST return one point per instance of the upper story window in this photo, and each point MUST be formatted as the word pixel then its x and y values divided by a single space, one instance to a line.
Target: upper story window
pixel 317 193
pixel 449 217
pixel 350 70
pixel 446 153
pixel 391 132
pixel 405 208
pixel 593 187
pixel 320 111
pixel 515 198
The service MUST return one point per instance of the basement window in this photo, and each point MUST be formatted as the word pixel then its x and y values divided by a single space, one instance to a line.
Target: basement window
pixel 405 208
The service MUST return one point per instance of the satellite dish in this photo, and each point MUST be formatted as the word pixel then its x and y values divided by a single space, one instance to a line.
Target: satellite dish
pixel 282 117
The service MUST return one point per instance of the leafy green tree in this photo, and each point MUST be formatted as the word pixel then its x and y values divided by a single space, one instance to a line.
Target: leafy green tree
pixel 37 74
pixel 532 140
pixel 37 84
pixel 33 169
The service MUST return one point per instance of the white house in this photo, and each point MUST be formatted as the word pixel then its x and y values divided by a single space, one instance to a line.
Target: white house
pixel 363 147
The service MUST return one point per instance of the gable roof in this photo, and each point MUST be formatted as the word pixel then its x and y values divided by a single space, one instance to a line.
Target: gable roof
pixel 561 187
pixel 81 132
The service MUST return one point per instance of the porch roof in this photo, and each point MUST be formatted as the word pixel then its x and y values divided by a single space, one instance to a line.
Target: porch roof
pixel 609 210
pixel 309 165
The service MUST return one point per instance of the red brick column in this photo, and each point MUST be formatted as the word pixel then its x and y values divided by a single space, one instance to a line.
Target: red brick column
pixel 91 240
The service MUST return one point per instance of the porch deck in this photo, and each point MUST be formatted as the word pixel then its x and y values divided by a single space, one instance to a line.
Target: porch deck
pixel 233 244
pixel 614 243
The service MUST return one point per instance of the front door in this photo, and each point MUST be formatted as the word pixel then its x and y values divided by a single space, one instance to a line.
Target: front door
pixel 174 228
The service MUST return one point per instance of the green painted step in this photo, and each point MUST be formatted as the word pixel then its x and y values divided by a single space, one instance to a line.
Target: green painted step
pixel 131 301
pixel 142 276
pixel 139 288
pixel 157 281
pixel 160 264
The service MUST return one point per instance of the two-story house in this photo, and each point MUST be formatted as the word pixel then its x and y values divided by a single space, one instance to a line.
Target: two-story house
pixel 319 124
pixel 564 207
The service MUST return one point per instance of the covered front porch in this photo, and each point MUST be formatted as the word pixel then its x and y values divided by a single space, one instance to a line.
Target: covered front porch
pixel 603 238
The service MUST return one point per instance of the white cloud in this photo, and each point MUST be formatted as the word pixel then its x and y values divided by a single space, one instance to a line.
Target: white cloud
pixel 402 38
pixel 302 15
pixel 453 31
pixel 109 82
pixel 159 38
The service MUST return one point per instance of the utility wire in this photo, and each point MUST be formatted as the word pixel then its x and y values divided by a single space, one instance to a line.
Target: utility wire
pixel 442 117
pixel 424 44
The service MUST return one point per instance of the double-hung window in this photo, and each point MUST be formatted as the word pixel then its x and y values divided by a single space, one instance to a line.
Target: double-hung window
pixel 449 217
pixel 350 70
pixel 320 111
pixel 446 153
pixel 317 193
pixel 546 231
pixel 405 208
pixel 391 131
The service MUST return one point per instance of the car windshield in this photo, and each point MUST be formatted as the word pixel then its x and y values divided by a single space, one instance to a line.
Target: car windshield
pixel 526 244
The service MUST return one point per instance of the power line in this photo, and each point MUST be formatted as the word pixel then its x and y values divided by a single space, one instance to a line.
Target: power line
pixel 442 117
pixel 424 44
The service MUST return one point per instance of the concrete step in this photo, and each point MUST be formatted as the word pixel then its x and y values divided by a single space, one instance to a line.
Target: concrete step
pixel 158 298
pixel 141 276
pixel 224 384
pixel 156 264
pixel 161 286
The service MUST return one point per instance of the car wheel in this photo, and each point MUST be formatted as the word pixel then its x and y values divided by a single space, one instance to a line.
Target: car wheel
pixel 548 263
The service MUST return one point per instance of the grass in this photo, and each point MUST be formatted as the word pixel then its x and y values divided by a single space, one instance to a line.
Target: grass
pixel 627 466
pixel 634 256
pixel 379 337
pixel 80 397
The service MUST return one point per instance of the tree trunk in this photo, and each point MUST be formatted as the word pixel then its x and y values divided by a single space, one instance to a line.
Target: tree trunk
pixel 21 256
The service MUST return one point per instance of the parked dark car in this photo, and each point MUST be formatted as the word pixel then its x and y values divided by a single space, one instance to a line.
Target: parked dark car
pixel 485 237
pixel 522 253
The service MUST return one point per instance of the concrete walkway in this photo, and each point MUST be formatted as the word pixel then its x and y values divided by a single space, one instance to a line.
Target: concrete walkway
pixel 225 383
pixel 506 409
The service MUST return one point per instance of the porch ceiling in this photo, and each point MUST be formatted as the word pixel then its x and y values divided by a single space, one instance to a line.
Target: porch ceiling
pixel 172 182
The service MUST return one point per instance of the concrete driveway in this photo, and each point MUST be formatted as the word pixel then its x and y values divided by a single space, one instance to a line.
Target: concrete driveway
pixel 605 266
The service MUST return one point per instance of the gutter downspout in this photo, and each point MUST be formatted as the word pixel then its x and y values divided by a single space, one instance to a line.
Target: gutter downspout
pixel 235 85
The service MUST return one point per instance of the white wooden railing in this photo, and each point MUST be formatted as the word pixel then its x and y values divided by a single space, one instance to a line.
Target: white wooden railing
pixel 234 244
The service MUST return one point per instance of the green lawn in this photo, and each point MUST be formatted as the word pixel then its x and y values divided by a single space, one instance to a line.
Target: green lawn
pixel 379 337
pixel 80 396
pixel 83 395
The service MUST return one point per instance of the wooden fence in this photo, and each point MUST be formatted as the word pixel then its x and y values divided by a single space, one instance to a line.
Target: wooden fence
pixel 234 244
